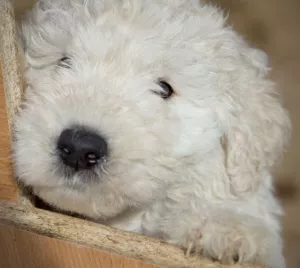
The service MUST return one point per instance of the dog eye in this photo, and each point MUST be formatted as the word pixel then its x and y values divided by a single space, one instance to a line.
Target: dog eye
pixel 65 62
pixel 167 90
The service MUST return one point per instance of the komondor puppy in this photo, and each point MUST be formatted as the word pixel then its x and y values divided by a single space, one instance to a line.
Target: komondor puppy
pixel 154 117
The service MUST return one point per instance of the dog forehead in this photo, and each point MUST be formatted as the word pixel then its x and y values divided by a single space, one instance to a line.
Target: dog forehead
pixel 109 43
pixel 145 31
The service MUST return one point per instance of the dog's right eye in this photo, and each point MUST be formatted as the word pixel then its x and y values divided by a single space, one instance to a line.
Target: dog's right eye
pixel 167 90
pixel 65 62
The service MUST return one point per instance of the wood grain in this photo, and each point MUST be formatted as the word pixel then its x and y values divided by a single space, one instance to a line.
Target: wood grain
pixel 105 238
pixel 8 188
pixel 22 249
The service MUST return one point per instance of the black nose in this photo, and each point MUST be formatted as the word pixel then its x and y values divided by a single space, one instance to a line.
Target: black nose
pixel 81 149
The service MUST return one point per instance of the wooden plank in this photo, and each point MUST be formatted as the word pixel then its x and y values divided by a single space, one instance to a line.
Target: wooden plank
pixel 8 188
pixel 11 88
pixel 11 60
pixel 114 241
pixel 24 249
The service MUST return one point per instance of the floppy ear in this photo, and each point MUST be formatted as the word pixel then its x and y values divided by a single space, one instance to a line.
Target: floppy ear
pixel 257 127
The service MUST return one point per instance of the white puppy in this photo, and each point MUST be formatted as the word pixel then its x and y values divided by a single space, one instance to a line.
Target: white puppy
pixel 154 117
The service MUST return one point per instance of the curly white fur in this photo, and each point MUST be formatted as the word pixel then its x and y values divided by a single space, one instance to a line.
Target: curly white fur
pixel 193 170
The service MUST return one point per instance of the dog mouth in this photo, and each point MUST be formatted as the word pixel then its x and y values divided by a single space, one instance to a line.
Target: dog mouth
pixel 82 176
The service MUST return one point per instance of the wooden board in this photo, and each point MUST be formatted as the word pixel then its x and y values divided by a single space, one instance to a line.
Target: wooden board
pixel 22 249
pixel 87 234
pixel 8 188
pixel 10 98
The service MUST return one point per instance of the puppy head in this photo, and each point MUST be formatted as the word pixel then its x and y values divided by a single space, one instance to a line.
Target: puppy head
pixel 124 97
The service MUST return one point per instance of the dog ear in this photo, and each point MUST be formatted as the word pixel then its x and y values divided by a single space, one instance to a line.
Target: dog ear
pixel 257 127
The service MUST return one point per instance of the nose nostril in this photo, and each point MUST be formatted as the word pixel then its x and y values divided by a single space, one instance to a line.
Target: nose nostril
pixel 66 150
pixel 91 158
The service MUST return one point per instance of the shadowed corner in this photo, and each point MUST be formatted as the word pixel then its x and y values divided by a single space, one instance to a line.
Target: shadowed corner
pixel 286 188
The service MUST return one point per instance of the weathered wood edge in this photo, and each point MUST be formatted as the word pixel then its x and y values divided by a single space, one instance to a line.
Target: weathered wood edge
pixel 94 235
pixel 9 58
pixel 11 70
